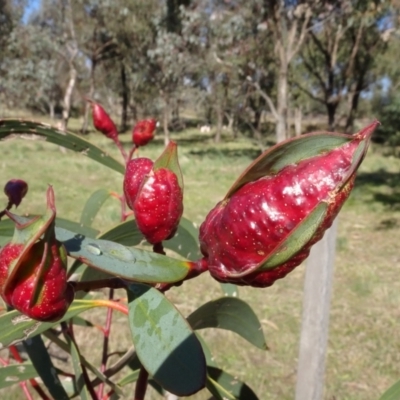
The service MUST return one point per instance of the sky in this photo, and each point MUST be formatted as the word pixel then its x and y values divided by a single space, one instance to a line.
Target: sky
pixel 31 6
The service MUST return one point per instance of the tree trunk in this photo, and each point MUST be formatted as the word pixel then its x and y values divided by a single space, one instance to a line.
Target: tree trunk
pixel 52 105
pixel 282 104
pixel 354 96
pixel 297 121
pixel 125 99
pixel 166 111
pixel 67 98
pixel 220 119
pixel 331 109
pixel 85 123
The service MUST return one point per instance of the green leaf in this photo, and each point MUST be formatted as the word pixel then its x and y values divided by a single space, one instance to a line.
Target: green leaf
pixel 169 160
pixel 230 289
pixel 79 378
pixel 41 360
pixel 127 263
pixel 300 148
pixel 7 228
pixel 165 344
pixel 6 231
pixel 15 326
pixel 12 127
pixel 224 386
pixel 76 227
pixel 12 374
pixel 393 393
pixel 66 347
pixel 289 152
pixel 207 352
pixel 126 233
pixel 185 242
pixel 294 242
pixel 232 314
pixel 131 377
pixel 93 205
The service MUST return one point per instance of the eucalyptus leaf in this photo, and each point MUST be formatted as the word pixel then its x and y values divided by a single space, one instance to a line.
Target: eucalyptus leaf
pixel 301 148
pixel 232 314
pixel 93 206
pixel 165 344
pixel 169 160
pixel 224 386
pixel 12 374
pixel 12 127
pixel 79 377
pixel 15 326
pixel 125 262
pixel 393 393
pixel 41 360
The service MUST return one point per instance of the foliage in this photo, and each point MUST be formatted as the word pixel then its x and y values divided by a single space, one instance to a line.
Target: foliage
pixel 165 343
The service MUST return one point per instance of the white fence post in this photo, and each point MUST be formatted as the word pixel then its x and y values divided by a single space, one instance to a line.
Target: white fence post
pixel 315 322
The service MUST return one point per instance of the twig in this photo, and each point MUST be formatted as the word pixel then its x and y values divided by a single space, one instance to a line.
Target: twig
pixel 106 331
pixel 141 385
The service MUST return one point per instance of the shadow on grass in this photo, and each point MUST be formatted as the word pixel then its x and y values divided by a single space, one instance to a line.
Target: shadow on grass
pixel 375 181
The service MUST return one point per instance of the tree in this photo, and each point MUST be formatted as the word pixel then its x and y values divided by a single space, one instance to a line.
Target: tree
pixel 339 54
pixel 287 22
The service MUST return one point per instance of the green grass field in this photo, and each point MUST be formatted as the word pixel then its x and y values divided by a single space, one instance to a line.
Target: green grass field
pixel 363 355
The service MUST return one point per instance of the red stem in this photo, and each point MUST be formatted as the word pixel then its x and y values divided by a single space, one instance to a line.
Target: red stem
pixel 141 384
pixel 106 330
pixel 131 153
pixel 32 381
pixel 3 213
pixel 121 149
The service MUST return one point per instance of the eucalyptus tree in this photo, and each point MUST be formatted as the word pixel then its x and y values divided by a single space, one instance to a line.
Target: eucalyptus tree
pixel 340 53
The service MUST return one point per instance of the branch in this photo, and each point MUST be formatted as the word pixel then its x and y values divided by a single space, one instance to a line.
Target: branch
pixel 310 94
pixel 302 32
pixel 265 97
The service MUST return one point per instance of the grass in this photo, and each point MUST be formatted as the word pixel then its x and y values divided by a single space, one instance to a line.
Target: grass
pixel 363 357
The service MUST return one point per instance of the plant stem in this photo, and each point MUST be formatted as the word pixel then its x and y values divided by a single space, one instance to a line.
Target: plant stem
pixel 3 213
pixel 141 384
pixel 112 304
pixel 131 153
pixel 106 331
pixel 121 149
pixel 159 248
pixel 32 381
pixel 112 283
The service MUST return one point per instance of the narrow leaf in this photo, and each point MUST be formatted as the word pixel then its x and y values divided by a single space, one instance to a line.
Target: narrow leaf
pixel 169 160
pixel 41 360
pixel 232 314
pixel 93 206
pixel 12 374
pixel 125 262
pixel 224 386
pixel 207 352
pixel 297 149
pixel 15 326
pixel 131 377
pixel 13 127
pixel 76 227
pixel 165 343
pixel 185 242
pixel 294 242
pixel 393 393
pixel 79 378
